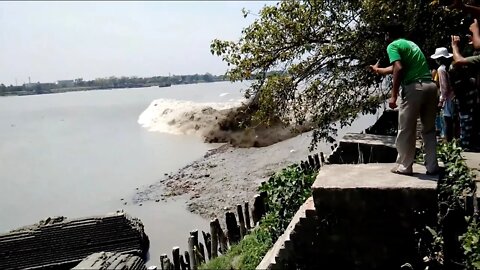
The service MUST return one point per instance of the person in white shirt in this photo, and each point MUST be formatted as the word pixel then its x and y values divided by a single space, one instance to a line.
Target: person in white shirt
pixel 443 59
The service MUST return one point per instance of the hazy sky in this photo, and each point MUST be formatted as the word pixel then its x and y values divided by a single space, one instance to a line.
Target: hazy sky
pixel 51 41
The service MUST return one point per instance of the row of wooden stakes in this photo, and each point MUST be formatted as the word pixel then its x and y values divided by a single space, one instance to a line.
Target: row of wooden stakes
pixel 217 241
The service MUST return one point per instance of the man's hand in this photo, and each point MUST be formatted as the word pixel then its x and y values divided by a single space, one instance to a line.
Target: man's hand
pixel 374 68
pixel 455 41
pixel 392 102
pixel 474 26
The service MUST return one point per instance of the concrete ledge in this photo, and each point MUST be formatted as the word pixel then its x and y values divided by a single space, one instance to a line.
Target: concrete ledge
pixel 357 148
pixel 369 215
pixel 282 249
pixel 374 175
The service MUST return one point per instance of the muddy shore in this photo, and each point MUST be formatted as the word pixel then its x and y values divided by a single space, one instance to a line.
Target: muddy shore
pixel 227 176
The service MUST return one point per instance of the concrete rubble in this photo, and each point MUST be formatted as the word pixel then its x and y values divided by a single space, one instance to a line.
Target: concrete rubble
pixel 59 243
pixel 111 260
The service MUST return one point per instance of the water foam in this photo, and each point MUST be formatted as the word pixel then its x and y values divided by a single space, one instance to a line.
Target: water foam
pixel 184 117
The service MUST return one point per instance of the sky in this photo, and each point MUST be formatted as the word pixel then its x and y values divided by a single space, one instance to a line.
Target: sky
pixel 50 41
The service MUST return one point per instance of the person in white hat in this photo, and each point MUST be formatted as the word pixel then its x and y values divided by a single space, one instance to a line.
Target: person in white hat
pixel 444 59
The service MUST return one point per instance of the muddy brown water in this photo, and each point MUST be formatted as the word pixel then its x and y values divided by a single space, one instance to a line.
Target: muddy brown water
pixel 83 153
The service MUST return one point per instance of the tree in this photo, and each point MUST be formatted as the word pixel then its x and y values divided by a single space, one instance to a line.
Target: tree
pixel 207 77
pixel 321 50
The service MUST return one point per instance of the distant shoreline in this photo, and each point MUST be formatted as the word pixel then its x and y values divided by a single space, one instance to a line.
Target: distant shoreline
pixel 112 82
pixel 91 88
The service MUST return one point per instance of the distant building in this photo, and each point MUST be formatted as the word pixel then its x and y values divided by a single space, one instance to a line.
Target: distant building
pixel 39 84
pixel 66 83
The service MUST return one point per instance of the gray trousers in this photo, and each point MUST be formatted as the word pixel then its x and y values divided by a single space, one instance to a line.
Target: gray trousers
pixel 417 99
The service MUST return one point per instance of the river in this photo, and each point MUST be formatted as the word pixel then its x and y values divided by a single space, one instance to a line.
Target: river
pixel 84 153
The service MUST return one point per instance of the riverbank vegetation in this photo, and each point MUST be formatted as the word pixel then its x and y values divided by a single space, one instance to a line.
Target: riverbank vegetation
pixel 323 49
pixel 454 242
pixel 106 83
pixel 286 191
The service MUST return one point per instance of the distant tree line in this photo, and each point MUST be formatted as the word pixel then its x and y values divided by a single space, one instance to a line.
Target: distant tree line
pixel 107 83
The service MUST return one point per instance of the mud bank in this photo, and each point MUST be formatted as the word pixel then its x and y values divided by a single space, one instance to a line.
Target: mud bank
pixel 227 176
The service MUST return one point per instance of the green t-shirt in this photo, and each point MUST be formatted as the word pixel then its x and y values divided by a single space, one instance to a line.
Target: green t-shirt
pixel 473 60
pixel 414 63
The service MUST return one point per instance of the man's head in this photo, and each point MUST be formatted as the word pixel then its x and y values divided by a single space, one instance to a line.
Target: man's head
pixel 393 31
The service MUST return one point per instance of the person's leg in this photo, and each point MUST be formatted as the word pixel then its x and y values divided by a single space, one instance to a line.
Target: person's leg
pixel 448 120
pixel 428 113
pixel 408 112
pixel 448 128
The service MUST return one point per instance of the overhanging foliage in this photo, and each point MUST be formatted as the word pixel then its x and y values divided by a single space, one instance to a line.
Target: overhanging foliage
pixel 323 49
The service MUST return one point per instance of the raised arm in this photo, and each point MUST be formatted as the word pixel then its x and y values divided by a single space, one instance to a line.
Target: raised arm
pixel 458 59
pixel 381 71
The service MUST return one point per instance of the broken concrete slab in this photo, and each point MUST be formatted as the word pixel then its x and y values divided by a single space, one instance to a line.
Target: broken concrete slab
pixel 60 243
pixel 355 148
pixel 111 260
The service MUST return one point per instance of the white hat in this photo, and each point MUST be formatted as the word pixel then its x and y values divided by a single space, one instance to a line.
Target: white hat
pixel 441 52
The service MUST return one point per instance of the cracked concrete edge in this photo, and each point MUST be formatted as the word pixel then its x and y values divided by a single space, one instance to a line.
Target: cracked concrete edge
pixel 270 259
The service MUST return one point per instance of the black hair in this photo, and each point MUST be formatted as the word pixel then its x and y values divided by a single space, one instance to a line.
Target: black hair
pixel 444 61
pixel 395 30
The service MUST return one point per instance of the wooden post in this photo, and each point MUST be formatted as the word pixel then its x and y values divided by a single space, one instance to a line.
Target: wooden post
pixel 258 209
pixel 247 215
pixel 162 261
pixel 241 220
pixel 214 234
pixel 222 238
pixel 183 265
pixel 311 162
pixel 166 263
pixel 201 249
pixel 207 239
pixel 304 166
pixel 187 260
pixel 264 196
pixel 322 158
pixel 194 233
pixel 233 231
pixel 176 258
pixel 192 253
pixel 317 162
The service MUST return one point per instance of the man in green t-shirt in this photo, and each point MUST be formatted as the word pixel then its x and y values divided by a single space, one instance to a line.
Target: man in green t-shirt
pixel 419 98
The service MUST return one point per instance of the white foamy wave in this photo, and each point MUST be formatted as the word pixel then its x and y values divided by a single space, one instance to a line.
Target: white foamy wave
pixel 183 117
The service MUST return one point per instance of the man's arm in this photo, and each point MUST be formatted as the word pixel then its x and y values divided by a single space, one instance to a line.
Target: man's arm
pixel 458 59
pixel 397 77
pixel 382 71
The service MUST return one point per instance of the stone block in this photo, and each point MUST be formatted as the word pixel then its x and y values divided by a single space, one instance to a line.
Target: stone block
pixel 355 148
pixel 368 216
